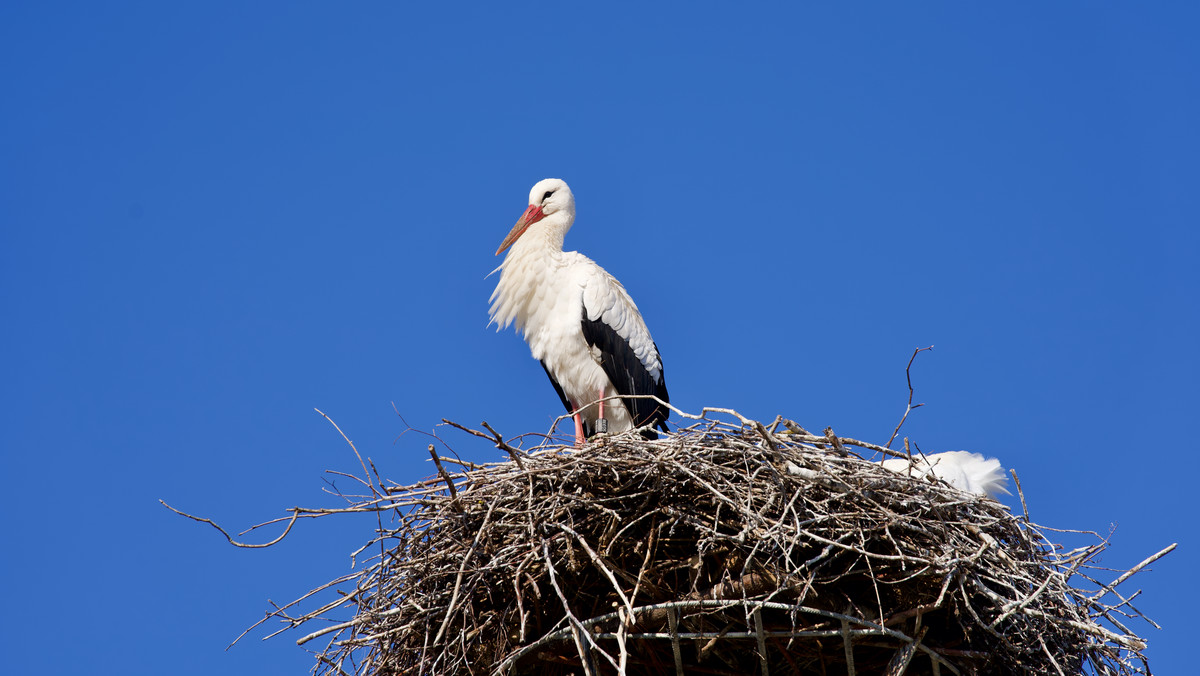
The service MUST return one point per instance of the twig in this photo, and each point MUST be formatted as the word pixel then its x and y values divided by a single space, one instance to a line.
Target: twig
pixel 296 511
pixel 495 438
pixel 442 471
pixel 909 408
pixel 352 447
pixel 1020 493
pixel 1132 571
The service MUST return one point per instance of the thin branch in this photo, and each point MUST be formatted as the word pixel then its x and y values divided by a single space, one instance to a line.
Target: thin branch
pixel 909 408
pixel 296 511
pixel 442 472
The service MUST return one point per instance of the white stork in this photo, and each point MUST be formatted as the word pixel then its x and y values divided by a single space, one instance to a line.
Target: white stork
pixel 578 320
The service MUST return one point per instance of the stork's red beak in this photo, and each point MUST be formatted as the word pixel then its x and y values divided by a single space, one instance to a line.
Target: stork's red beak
pixel 532 215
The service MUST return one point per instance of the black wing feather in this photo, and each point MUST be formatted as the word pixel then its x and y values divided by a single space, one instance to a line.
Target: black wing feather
pixel 628 374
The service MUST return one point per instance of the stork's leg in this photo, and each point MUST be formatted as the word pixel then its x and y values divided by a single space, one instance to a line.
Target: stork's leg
pixel 601 422
pixel 578 430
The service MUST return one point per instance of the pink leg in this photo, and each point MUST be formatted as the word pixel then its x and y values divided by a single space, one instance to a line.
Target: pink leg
pixel 578 430
pixel 602 403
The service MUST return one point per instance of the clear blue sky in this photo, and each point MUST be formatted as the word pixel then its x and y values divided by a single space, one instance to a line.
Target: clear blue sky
pixel 217 216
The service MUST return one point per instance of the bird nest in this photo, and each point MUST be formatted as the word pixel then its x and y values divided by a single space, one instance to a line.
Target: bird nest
pixel 725 548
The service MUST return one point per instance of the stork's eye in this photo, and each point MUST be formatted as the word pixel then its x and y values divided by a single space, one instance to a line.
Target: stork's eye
pixel 547 195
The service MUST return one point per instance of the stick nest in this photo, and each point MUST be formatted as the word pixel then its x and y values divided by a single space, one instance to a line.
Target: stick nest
pixel 727 548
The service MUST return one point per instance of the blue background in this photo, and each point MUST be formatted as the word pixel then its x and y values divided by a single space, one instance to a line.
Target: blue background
pixel 218 216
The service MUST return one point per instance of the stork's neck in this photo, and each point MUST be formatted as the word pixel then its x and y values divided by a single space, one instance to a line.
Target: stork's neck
pixel 545 237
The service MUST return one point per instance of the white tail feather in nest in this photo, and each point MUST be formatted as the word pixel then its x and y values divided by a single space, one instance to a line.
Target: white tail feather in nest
pixel 966 471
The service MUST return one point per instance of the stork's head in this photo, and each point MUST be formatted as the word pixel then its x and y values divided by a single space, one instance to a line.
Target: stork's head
pixel 551 204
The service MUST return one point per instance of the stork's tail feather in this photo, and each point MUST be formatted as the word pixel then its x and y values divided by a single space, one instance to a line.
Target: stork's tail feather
pixel 966 471
pixel 984 475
